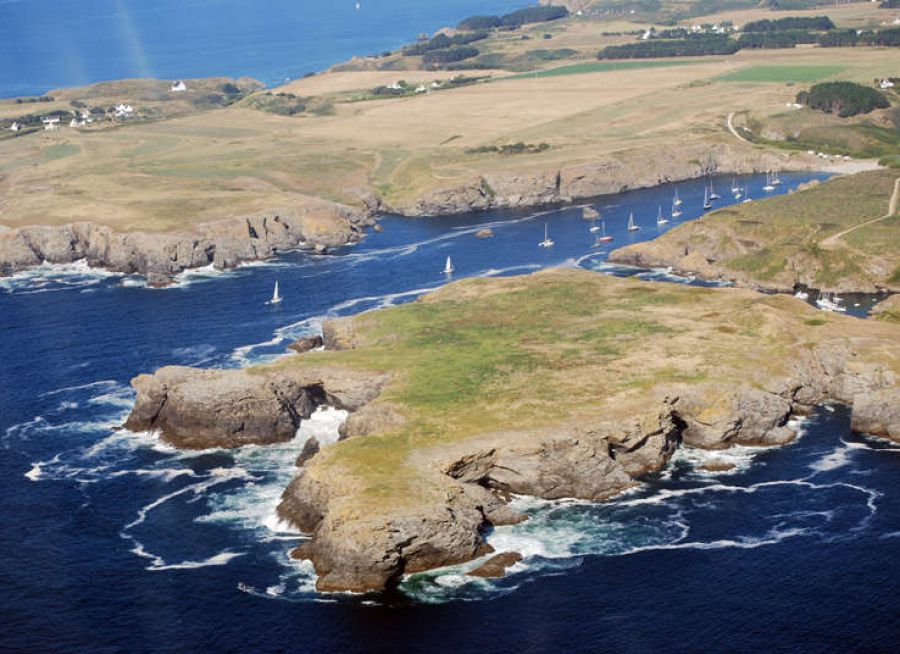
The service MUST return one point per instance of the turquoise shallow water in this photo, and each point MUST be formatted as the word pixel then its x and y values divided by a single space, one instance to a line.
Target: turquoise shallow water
pixel 111 543
pixel 51 45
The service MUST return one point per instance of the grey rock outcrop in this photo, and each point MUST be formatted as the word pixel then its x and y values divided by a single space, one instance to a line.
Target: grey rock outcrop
pixel 199 409
pixel 223 244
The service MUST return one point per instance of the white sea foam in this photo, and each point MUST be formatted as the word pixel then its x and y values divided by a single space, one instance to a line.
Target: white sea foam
pixel 51 277
pixel 253 506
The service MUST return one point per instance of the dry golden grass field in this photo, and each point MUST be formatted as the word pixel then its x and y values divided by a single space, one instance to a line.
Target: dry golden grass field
pixel 186 163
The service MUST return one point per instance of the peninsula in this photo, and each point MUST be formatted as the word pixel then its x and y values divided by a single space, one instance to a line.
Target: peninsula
pixel 840 236
pixel 564 383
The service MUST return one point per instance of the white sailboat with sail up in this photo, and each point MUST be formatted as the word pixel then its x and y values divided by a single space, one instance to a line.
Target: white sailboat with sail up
pixel 547 242
pixel 769 185
pixel 676 202
pixel 735 187
pixel 660 218
pixel 712 192
pixel 448 267
pixel 676 212
pixel 631 226
pixel 776 180
pixel 706 201
pixel 276 296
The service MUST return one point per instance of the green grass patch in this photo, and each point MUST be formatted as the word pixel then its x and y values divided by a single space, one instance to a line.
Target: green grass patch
pixel 781 74
pixel 602 67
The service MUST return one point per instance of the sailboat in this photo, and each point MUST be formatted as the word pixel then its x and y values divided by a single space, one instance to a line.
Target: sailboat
pixel 830 302
pixel 769 186
pixel 631 226
pixel 747 199
pixel 735 188
pixel 676 212
pixel 776 180
pixel 712 192
pixel 547 242
pixel 276 298
pixel 448 267
pixel 706 203
pixel 739 193
pixel 603 238
pixel 677 201
pixel 660 219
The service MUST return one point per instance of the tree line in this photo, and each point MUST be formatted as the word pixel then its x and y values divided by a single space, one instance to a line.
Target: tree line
pixel 514 19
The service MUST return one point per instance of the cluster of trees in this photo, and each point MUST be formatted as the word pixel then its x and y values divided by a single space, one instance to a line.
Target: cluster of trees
pixel 40 98
pixel 849 38
pixel 843 98
pixel 889 4
pixel 449 55
pixel 786 39
pixel 553 55
pixel 514 19
pixel 815 23
pixel 699 44
pixel 442 42
pixel 512 148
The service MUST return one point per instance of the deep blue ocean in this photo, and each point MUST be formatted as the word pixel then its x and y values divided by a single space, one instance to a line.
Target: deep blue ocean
pixel 110 542
pixel 47 45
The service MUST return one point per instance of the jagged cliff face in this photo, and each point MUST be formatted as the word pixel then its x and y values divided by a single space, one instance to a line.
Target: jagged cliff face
pixel 224 244
pixel 407 490
pixel 611 174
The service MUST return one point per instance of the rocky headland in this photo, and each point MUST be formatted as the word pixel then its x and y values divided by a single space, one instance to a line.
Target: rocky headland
pixel 559 384
pixel 317 226
pixel 839 236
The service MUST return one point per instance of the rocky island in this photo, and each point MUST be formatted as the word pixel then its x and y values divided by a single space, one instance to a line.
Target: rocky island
pixel 564 383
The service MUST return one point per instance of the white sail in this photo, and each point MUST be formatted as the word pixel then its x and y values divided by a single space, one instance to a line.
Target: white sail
pixel 631 226
pixel 276 297
pixel 448 266
pixel 676 212
pixel 547 242
pixel 706 203
pixel 677 201
pixel 660 219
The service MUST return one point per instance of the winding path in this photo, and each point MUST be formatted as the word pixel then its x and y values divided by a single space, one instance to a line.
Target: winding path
pixel 730 123
pixel 892 209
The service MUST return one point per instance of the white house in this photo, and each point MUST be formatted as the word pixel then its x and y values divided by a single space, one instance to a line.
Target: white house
pixel 124 110
pixel 396 86
pixel 886 84
pixel 178 86
pixel 50 123
pixel 75 123
pixel 421 88
pixel 14 127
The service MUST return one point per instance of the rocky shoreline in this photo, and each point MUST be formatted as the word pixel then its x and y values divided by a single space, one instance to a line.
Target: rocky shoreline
pixel 471 482
pixel 320 225
pixel 159 256
pixel 729 246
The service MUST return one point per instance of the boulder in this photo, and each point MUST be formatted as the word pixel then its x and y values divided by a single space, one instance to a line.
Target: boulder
pixel 496 566
pixel 306 344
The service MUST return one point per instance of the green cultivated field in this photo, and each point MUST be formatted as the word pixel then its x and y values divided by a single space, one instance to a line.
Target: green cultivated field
pixel 782 74
pixel 602 67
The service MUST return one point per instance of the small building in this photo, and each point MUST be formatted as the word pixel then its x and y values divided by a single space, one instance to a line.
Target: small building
pixel 886 84
pixel 14 127
pixel 51 123
pixel 396 86
pixel 124 110
pixel 178 86
pixel 421 89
